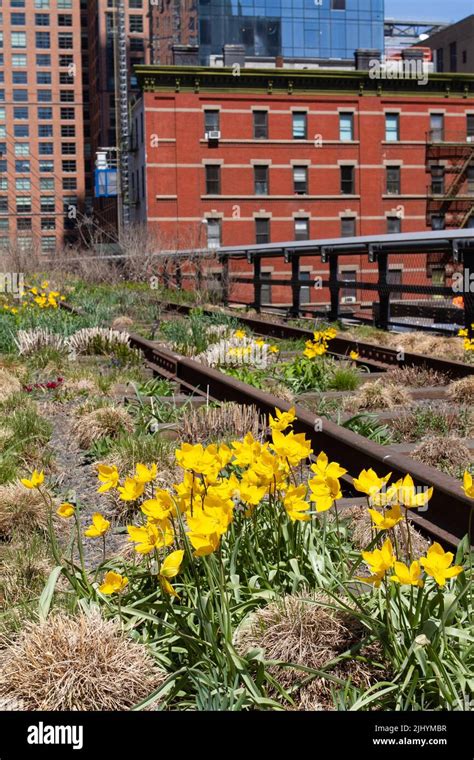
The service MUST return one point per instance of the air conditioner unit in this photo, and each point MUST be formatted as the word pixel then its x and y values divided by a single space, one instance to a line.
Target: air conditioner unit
pixel 348 299
pixel 470 139
pixel 214 134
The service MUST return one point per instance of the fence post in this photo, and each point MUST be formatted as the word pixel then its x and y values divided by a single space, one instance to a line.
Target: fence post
pixel 334 287
pixel 295 284
pixel 383 291
pixel 257 284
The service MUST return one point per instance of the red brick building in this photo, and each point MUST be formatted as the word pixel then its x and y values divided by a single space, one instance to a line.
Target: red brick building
pixel 237 157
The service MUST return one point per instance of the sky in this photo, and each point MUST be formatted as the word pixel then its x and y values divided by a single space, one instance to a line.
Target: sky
pixel 432 10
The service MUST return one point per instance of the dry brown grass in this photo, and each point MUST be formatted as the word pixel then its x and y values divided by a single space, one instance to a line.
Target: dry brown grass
pixel 416 377
pixel 450 455
pixel 224 421
pixel 415 342
pixel 76 663
pixel 360 526
pixel 110 421
pixel 310 634
pixel 81 387
pixel 122 323
pixel 21 510
pixel 9 384
pixel 378 395
pixel 462 390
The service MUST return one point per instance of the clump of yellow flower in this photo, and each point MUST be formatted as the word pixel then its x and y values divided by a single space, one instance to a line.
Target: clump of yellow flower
pixel 319 345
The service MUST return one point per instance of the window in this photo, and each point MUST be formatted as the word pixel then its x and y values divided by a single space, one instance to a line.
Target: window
pixel 338 5
pixel 260 125
pixel 136 44
pixel 393 180
pixel 346 127
pixel 65 78
pixel 46 149
pixel 347 180
pixel 18 19
pixel 67 114
pixel 3 130
pixel 300 125
pixel 470 127
pixel 70 183
pixel 21 130
pixel 3 183
pixel 46 183
pixel 64 4
pixel 211 121
pixel 437 180
pixel 64 40
pixel 46 166
pixel 68 130
pixel 453 56
pixel 394 225
pixel 18 60
pixel 42 19
pixel 22 183
pixel 135 3
pixel 3 205
pixel 437 127
pixel 43 39
pixel 349 291
pixel 470 180
pixel 48 223
pixel 23 204
pixel 392 127
pixel 20 96
pixel 213 179
pixel 18 39
pixel 45 113
pixel 48 243
pixel 464 56
pixel 19 77
pixel 262 231
pixel 43 77
pixel 65 59
pixel 266 288
pixel 69 166
pixel 394 277
pixel 300 180
pixel 64 19
pixel 44 96
pixel 348 226
pixel 66 96
pixel 3 148
pixel 2 114
pixel 22 167
pixel 23 223
pixel 39 4
pixel 301 229
pixel 47 204
pixel 437 221
pixel 45 130
pixel 260 180
pixel 68 149
pixel 440 59
pixel 43 59
pixel 22 149
pixel 305 293
pixel 136 23
pixel 3 166
pixel 213 233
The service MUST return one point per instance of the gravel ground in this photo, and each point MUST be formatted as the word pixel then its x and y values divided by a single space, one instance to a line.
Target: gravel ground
pixel 77 481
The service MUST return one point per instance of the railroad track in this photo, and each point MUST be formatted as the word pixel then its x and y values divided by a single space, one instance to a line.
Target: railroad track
pixel 448 514
pixel 447 517
pixel 376 358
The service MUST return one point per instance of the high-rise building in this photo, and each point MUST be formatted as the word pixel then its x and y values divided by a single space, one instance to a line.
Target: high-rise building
pixel 295 29
pixel 41 123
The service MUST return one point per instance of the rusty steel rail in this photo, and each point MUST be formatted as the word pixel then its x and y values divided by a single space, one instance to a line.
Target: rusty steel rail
pixel 447 517
pixel 375 357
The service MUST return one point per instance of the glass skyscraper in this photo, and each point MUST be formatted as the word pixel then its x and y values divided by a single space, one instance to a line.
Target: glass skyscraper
pixel 291 28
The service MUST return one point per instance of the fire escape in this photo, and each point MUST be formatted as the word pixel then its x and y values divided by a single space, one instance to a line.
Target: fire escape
pixel 450 196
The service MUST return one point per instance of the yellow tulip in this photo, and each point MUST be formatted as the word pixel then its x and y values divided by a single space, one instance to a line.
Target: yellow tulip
pixel 468 484
pixel 354 355
pixel 153 535
pixel 169 569
pixel 282 419
pixel 295 504
pixel 291 447
pixel 143 474
pixel 388 519
pixel 160 507
pixel 99 526
pixel 65 510
pixel 108 476
pixel 408 495
pixel 131 490
pixel 323 468
pixel 113 583
pixel 369 482
pixel 379 561
pixel 407 576
pixel 324 492
pixel 37 478
pixel 437 564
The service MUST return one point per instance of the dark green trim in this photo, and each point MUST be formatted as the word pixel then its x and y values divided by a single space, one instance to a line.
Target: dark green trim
pixel 296 81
